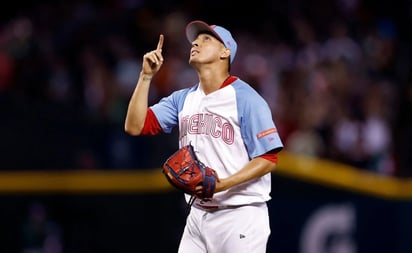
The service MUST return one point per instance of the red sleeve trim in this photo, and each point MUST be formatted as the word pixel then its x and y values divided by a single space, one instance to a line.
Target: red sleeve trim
pixel 271 156
pixel 151 124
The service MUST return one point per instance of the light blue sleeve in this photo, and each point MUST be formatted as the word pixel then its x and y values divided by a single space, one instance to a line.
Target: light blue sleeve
pixel 168 108
pixel 257 126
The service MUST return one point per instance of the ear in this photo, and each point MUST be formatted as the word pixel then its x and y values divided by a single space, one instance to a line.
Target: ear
pixel 225 53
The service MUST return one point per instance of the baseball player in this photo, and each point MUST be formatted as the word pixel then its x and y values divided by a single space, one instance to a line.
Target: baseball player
pixel 232 131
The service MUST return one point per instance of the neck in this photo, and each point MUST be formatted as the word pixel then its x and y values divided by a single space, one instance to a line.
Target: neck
pixel 212 81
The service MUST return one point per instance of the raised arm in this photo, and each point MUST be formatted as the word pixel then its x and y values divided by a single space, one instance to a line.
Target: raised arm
pixel 138 104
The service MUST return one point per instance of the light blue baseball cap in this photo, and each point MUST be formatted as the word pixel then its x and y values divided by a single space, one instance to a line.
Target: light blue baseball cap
pixel 195 27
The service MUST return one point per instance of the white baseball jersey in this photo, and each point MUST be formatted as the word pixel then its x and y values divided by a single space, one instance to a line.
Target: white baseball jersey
pixel 227 128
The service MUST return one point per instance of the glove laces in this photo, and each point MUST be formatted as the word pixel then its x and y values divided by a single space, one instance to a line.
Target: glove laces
pixel 190 203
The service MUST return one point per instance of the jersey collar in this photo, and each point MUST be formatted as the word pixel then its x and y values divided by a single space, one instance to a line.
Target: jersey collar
pixel 228 81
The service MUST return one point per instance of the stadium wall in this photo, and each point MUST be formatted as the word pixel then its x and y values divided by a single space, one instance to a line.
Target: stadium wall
pixel 317 206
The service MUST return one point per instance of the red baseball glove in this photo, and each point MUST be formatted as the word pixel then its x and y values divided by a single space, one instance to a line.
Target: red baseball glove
pixel 184 171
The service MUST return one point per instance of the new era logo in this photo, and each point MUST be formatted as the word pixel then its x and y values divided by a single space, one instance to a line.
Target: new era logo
pixel 241 236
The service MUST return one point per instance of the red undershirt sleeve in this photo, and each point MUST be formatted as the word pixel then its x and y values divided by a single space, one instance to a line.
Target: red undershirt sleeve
pixel 151 124
pixel 271 156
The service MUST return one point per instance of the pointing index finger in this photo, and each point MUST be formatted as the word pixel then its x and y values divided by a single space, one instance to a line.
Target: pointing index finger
pixel 160 43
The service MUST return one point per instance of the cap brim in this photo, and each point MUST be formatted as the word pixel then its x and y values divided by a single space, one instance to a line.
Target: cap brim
pixel 194 28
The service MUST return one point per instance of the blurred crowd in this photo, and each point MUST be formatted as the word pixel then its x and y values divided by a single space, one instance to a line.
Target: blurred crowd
pixel 337 75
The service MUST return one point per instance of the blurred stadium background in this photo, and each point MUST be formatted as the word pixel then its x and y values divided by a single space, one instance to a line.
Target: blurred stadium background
pixel 336 73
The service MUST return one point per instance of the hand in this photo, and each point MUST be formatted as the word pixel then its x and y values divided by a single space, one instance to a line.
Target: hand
pixel 153 60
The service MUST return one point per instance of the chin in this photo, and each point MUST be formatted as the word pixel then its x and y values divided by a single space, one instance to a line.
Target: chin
pixel 193 62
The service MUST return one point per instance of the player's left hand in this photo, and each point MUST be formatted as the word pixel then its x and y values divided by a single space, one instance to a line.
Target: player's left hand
pixel 184 171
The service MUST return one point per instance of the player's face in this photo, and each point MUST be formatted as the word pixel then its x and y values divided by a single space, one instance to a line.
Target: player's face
pixel 206 49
